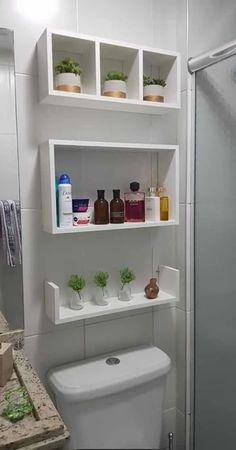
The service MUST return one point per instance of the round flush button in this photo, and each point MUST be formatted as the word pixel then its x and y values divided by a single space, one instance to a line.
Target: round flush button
pixel 112 361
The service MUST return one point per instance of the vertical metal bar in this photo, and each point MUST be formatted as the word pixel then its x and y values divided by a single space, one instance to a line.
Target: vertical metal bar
pixel 171 441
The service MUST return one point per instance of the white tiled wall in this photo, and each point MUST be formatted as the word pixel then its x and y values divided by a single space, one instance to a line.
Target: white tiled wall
pixel 151 22
pixel 211 24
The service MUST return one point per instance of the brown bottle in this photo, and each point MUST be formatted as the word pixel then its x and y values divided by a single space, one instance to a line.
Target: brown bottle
pixel 117 208
pixel 152 289
pixel 101 215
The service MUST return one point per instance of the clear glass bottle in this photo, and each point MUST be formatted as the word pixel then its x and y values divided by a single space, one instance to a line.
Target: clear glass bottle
pixel 152 205
pixel 134 204
pixel 101 214
pixel 164 204
pixel 77 300
pixel 117 214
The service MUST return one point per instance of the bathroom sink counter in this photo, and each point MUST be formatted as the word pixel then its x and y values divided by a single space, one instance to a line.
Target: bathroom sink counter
pixel 4 327
pixel 43 429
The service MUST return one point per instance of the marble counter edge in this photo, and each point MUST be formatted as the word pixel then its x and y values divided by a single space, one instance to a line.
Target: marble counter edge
pixel 48 424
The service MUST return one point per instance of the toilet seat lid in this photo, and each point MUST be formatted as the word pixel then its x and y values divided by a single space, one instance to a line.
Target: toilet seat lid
pixel 109 374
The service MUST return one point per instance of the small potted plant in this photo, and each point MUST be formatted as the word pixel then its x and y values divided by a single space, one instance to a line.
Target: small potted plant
pixel 100 280
pixel 153 89
pixel 126 277
pixel 115 85
pixel 67 76
pixel 77 284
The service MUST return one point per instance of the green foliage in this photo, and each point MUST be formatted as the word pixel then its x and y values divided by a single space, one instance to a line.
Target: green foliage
pixel 76 283
pixel 116 76
pixel 147 81
pixel 126 276
pixel 100 279
pixel 18 404
pixel 68 65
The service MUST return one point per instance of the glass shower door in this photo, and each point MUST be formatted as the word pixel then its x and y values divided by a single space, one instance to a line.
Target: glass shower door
pixel 215 257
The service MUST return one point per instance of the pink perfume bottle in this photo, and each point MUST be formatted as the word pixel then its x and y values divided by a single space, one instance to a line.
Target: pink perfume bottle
pixel 134 204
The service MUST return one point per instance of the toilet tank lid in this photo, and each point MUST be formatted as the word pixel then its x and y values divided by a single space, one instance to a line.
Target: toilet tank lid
pixel 109 374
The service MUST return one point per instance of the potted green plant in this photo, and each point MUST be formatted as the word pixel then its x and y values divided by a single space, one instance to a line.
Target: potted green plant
pixel 100 280
pixel 67 76
pixel 115 85
pixel 77 284
pixel 153 89
pixel 126 277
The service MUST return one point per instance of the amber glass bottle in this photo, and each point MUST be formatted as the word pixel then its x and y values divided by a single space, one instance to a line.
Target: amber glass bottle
pixel 101 215
pixel 117 208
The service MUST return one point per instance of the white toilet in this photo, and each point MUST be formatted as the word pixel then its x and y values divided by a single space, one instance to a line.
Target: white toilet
pixel 113 402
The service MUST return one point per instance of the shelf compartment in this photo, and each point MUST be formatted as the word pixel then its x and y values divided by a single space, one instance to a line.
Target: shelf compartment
pixel 164 66
pixel 97 56
pixel 121 59
pixel 59 312
pixel 90 163
pixel 84 52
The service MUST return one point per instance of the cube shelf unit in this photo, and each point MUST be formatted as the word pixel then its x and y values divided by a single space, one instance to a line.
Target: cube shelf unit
pixel 98 56
pixel 58 311
pixel 107 165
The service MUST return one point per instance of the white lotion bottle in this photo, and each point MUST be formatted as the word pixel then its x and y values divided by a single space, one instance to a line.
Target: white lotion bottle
pixel 65 202
pixel 152 205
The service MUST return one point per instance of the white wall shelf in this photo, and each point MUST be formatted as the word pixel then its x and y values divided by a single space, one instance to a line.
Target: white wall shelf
pixel 95 165
pixel 58 311
pixel 98 56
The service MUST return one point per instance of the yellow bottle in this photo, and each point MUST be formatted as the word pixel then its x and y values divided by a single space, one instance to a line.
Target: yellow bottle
pixel 164 204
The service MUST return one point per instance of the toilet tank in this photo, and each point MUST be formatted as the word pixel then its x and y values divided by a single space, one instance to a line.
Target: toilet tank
pixel 114 401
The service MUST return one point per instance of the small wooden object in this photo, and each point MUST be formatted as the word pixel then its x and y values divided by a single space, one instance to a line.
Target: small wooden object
pixel 6 362
pixel 152 289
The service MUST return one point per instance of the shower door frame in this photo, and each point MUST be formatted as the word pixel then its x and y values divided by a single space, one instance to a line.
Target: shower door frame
pixel 194 64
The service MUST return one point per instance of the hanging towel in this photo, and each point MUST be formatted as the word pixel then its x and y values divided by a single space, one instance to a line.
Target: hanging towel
pixel 10 220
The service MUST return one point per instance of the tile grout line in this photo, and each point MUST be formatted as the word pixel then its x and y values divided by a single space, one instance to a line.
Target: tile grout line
pixel 77 15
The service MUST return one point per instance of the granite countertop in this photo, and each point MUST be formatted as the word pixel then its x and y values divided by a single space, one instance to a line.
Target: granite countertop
pixel 43 429
pixel 3 324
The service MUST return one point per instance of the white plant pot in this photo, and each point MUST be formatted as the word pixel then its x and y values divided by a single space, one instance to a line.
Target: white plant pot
pixel 68 82
pixel 153 93
pixel 115 88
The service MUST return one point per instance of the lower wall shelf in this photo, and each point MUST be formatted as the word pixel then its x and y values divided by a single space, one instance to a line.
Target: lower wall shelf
pixel 59 312
pixel 112 226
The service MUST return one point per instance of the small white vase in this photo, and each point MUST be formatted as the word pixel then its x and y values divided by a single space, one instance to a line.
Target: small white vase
pixel 101 297
pixel 115 88
pixel 125 293
pixel 153 93
pixel 68 82
pixel 76 300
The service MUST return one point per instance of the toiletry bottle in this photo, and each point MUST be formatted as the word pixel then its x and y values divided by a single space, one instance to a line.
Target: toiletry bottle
pixel 117 208
pixel 65 202
pixel 101 215
pixel 164 204
pixel 134 204
pixel 152 204
pixel 57 199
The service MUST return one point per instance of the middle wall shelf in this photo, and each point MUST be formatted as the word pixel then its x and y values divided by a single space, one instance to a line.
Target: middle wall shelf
pixel 96 165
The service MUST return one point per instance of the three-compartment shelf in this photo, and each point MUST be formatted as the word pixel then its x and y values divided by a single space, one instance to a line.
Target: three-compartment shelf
pixel 58 311
pixel 107 165
pixel 98 56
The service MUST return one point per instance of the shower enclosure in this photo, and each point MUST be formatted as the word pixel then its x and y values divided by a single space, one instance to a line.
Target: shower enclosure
pixel 215 249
